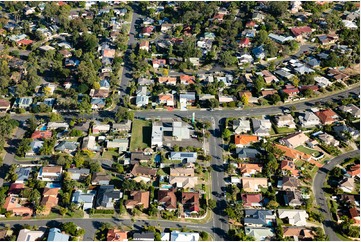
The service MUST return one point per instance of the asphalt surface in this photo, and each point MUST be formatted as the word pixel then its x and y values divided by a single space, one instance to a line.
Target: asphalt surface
pixel 319 180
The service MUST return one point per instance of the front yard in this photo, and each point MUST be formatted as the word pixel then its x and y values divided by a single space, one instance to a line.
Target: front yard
pixel 141 135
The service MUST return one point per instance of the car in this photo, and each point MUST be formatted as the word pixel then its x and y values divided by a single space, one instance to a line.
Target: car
pixel 194 136
pixel 327 161
pixel 210 109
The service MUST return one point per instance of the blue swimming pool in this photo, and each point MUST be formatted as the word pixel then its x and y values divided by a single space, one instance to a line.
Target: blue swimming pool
pixel 43 128
pixel 166 186
pixel 157 159
pixel 53 185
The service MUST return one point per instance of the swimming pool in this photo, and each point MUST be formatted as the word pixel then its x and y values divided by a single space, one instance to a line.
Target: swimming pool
pixel 157 158
pixel 166 186
pixel 43 128
pixel 53 185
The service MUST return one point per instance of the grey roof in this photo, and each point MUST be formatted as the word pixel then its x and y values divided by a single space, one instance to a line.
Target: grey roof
pixel 79 170
pixel 255 216
pixel 23 173
pixel 105 194
pixel 144 235
pixel 244 153
pixel 79 197
pixel 55 234
pixel 188 95
pixel 66 145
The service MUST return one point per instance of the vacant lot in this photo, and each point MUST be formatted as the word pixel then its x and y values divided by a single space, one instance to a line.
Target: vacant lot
pixel 141 135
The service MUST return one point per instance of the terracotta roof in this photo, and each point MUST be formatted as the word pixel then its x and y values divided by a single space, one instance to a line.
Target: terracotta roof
pixel 290 166
pixel 169 79
pixel 301 30
pixel 140 170
pixel 49 202
pixel 165 97
pixel 248 199
pixel 218 16
pixel 291 90
pixel 117 235
pixel 50 191
pixel 245 41
pixel 354 212
pixel 52 169
pixel 297 231
pixel 109 53
pixel 292 153
pixel 245 139
pixel 168 198
pixel 188 79
pixel 250 183
pixel 191 200
pixel 25 42
pixel 4 103
pixel 159 61
pixel 354 170
pixel 16 188
pixel 326 116
pixel 309 87
pixel 144 43
pixel 41 134
pixel 265 93
pixel 250 24
pixel 139 197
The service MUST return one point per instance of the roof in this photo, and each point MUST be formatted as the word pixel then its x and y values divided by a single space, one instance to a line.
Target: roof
pixel 28 235
pixel 188 79
pixel 139 197
pixel 257 216
pixel 250 199
pixel 247 153
pixel 290 182
pixel 301 30
pixel 245 139
pixel 298 232
pixel 179 171
pixel 251 184
pixel 25 42
pixel 169 79
pixel 140 170
pixel 4 103
pixel 354 170
pixel 117 235
pixel 52 169
pixel 41 134
pixel 290 166
pixel 50 191
pixel 326 115
pixel 248 167
pixel 168 198
pixel 191 200
pixel 184 236
pixel 55 234
pixel 292 153
pixel 100 176
pixel 106 194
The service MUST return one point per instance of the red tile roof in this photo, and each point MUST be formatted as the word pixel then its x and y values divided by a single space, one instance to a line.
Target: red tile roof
pixel 191 200
pixel 41 134
pixel 326 116
pixel 117 235
pixel 245 139
pixel 245 41
pixel 25 42
pixel 249 199
pixel 301 30
pixel 354 170
pixel 4 103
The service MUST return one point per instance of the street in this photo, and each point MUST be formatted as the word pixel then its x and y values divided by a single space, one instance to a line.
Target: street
pixel 320 178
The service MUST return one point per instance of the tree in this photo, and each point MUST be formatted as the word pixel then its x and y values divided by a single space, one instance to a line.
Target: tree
pixel 272 204
pixel 56 117
pixel 277 8
pixel 226 133
pixel 244 99
pixel 275 98
pixel 259 84
pixel 123 114
pixel 227 58
pixel 69 228
pixel 212 204
pixel 295 81
pixel 23 147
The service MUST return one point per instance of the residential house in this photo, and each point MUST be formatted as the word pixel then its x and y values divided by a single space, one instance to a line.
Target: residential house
pixel 260 234
pixel 250 24
pixel 122 127
pixel 309 119
pixel 322 81
pixel 157 134
pixel 279 38
pixel 167 199
pixel 179 236
pixel 249 169
pixel 185 182
pixel 100 178
pixel 23 174
pixel 327 116
pixel 187 80
pixel 142 81
pixel 78 174
pixel 250 33
pixel 184 157
pixel 12 203
pixel 57 125
pixel 268 77
pixel 4 105
pixel 41 134
pixel 285 121
pixel 291 91
pixel 342 129
pixel 294 140
pixel 97 103
pixel 23 102
pixel 50 173
pixel 107 196
pixel 28 235
pixel 288 166
pixel 347 185
pixel 259 218
pixel 180 171
pixel 117 235
pixel 244 140
pixel 294 217
pixel 139 157
pixel 301 32
pixel 244 59
pixel 67 146
pixel 167 99
pixel 259 52
pixel 244 43
pixel 258 17
pixel 241 126
pixel 139 198
pixel 337 75
pixel 89 143
pixel 354 170
pixel 86 200
pixel 104 84
pixel 247 153
pixel 328 139
pixel 284 73
pixel 261 127
pixel 252 200
pixel 35 147
pixel 100 128
pixel 159 63
pixel 218 17
pixel 49 200
pixel 144 45
pixel 312 62
pixel 55 234
pixel 298 233
pixel 253 184
pixel 142 99
pixel 352 109
pixel 16 188
pixel 98 96
pixel 293 154
pixel 143 171
pixel 144 236
pixel 349 24
pixel 355 215
pixel 167 80
pixel 190 202
pixel 292 198
pixel 120 144
pixel 226 99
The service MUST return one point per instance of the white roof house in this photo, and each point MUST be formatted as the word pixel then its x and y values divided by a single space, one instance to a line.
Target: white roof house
pixel 261 127
pixel 182 236
pixel 279 38
pixel 89 143
pixel 295 217
pixel 260 234
pixel 309 119
pixel 322 81
pixel 56 125
pixel 157 135
pixel 28 235
pixel 241 126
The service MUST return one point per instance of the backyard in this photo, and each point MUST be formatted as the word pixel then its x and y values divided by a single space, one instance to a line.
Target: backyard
pixel 314 153
pixel 141 135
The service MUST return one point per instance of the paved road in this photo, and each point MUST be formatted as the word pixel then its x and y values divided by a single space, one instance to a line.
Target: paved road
pixel 320 178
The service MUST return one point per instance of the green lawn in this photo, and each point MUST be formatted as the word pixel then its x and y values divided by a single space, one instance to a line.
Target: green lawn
pixel 141 135
pixel 303 149
pixel 283 130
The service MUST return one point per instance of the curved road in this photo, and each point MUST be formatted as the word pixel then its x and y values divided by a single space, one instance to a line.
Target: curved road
pixel 320 178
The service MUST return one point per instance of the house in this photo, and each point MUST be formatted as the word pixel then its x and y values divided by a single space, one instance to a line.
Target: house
pixel 327 116
pixel 142 81
pixel 328 139
pixel 279 38
pixel 187 98
pixel 250 24
pixel 298 233
pixel 294 140
pixel 244 59
pixel 144 45
pixel 23 102
pixel 49 200
pixel 337 75
pixel 252 200
pixel 261 127
pixel 23 174
pixel 253 184
pixel 107 196
pixel 122 127
pixel 157 134
pixel 117 235
pixel 184 157
pixel 349 24
pixel 268 77
pixel 143 171
pixel 120 144
pixel 50 173
pixel 243 140
pixel 250 33
pixel 179 171
pixel 284 73
pixel 16 188
pixel 285 121
pixel 288 166
pixel 293 154
pixel 139 157
pixel 309 119
pixel 322 81
pixel 28 235
pixel 100 128
pixel 241 126
pixel 218 17
pixel 41 134
pixel 180 131
pixel 354 170
pixel 248 169
pixel 244 43
pixel 78 174
pixel 259 52
pixel 67 146
pixel 86 200
pixel 4 105
pixel 100 178
pixel 312 62
pixel 57 125
pixel 294 217
pixel 247 153
pixel 292 198
pixel 185 182
pixel 259 218
pixel 180 236
pixel 145 236
pixel 354 215
pixel 258 17
pixel 12 203
pixel 342 129
pixel 157 63
pixel 89 144
pixel 167 199
pixel 35 147
pixel 104 84
pixel 291 92
pixel 167 99
pixel 260 234
pixel 352 109
pixel 167 80
pixel 55 234
pixel 139 198
pixel 301 32
pixel 190 202
pixel 187 80
pixel 347 185
pixel 97 103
